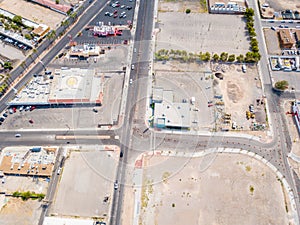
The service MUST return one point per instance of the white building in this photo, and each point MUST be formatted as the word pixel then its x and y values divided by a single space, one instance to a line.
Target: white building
pixel 169 114
pixel 296 111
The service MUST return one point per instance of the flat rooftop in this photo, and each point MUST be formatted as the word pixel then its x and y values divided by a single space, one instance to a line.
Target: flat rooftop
pixel 67 86
pixel 66 221
pixel 27 162
pixel 76 86
pixel 168 113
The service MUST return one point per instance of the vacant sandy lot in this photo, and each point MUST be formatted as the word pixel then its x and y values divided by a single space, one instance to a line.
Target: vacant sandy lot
pixel 83 194
pixel 202 32
pixel 36 13
pixel 181 6
pixel 272 42
pixel 17 211
pixel 234 189
pixel 282 4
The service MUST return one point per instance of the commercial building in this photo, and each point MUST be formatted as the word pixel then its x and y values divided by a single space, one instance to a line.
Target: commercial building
pixel 84 51
pixel 76 86
pixel 285 38
pixel 36 161
pixel 169 114
pixel 227 7
pixel 67 86
pixel 296 113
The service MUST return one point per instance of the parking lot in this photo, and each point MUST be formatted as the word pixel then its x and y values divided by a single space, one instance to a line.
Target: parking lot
pixel 119 15
pixel 293 78
pixel 10 52
pixel 89 193
pixel 202 32
pixel 179 188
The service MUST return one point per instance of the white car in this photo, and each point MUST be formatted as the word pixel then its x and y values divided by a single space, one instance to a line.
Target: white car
pixel 130 81
pixel 17 135
pixel 21 108
pixel 132 67
pixel 116 185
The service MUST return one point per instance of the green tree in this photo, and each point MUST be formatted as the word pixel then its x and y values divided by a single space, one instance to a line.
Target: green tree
pixel 231 58
pixel 282 85
pixel 18 20
pixel 51 35
pixel 240 58
pixel 255 48
pixel 249 12
pixel 224 56
pixel 187 11
pixel 215 57
pixel 207 56
pixel 28 36
pixel 7 65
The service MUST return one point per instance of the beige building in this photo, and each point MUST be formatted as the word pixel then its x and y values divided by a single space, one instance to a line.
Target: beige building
pixel 285 38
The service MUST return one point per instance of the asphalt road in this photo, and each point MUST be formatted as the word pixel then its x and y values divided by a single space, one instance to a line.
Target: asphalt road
pixel 134 104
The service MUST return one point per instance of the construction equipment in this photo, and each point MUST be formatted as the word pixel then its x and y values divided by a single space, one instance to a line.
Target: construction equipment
pixel 248 115
pixel 219 103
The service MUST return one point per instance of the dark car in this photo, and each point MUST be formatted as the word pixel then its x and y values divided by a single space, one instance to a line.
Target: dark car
pixel 1 119
pixel 129 7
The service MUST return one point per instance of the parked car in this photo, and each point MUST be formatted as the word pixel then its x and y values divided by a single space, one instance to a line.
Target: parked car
pixel 21 108
pixel 18 135
pixel 32 108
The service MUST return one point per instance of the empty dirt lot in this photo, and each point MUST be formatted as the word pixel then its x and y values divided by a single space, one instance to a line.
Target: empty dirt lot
pixel 282 4
pixel 234 189
pixel 182 5
pixel 84 194
pixel 17 211
pixel 36 13
pixel 202 32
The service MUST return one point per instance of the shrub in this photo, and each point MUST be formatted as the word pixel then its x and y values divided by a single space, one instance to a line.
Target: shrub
pixel 282 85
pixel 187 11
